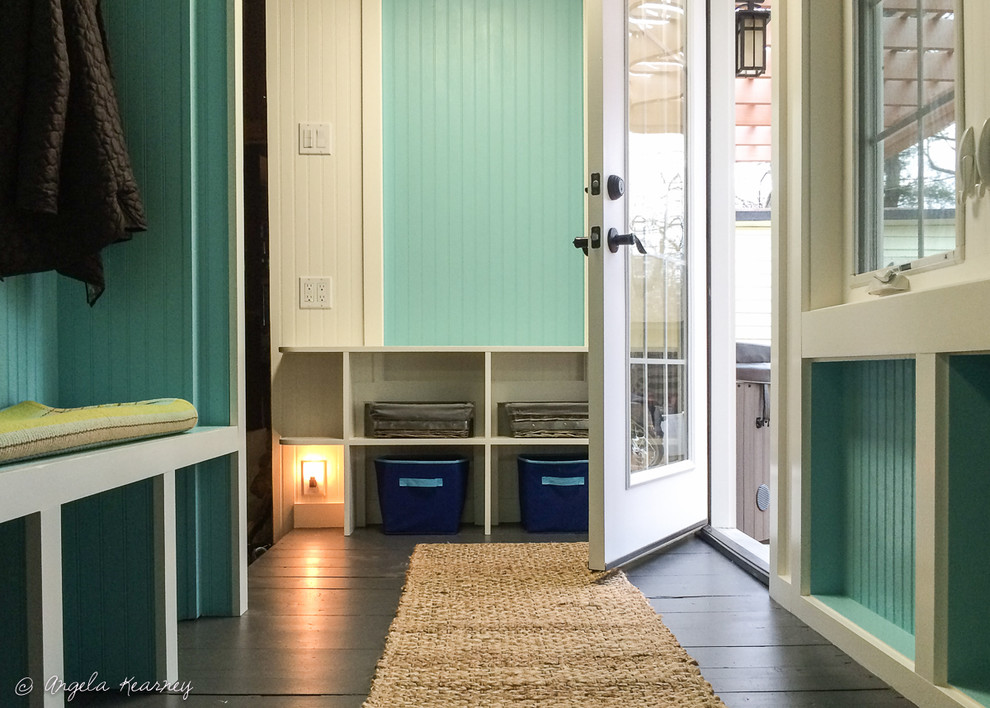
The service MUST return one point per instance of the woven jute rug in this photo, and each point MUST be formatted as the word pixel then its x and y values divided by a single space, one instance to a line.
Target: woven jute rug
pixel 527 624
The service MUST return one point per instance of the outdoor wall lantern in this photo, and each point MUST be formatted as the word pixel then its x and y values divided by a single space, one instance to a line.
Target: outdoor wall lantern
pixel 751 39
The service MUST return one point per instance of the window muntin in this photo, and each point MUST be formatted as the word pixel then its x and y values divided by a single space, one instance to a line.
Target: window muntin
pixel 907 127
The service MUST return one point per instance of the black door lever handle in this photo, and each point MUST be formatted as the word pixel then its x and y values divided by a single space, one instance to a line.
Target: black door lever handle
pixel 615 239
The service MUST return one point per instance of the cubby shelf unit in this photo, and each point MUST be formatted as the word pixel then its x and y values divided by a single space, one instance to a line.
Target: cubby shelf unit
pixel 329 387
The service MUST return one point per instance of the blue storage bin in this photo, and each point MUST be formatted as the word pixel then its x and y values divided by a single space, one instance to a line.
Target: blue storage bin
pixel 553 492
pixel 421 494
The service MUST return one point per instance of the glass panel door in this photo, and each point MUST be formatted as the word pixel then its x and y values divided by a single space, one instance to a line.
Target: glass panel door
pixel 647 313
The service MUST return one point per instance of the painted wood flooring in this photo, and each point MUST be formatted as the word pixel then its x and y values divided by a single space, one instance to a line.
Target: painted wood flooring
pixel 321 604
pixel 753 652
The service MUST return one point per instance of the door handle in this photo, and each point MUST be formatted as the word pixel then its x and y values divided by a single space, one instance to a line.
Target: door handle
pixel 615 239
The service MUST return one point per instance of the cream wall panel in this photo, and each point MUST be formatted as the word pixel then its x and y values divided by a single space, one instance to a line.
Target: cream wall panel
pixel 315 201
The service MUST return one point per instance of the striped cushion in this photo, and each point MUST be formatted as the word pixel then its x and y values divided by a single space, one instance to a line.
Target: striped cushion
pixel 30 429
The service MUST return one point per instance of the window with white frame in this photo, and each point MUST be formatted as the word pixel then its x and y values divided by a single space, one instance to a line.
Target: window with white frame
pixel 906 108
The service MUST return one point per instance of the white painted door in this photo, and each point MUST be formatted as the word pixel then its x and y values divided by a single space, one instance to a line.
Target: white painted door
pixel 647 302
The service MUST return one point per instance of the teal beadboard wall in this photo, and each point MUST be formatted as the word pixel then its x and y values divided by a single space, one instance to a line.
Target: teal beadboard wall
pixel 28 339
pixel 108 580
pixel 969 524
pixel 862 494
pixel 160 328
pixel 13 618
pixel 203 520
pixel 483 172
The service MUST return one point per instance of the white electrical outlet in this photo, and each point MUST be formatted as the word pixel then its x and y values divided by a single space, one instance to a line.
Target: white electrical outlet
pixel 315 293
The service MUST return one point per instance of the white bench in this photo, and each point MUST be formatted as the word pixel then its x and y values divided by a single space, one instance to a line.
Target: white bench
pixel 37 489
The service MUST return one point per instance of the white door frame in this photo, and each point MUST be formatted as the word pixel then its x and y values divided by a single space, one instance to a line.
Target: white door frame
pixel 722 291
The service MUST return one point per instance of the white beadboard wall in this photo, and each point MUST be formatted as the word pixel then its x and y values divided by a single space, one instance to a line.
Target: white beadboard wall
pixel 315 201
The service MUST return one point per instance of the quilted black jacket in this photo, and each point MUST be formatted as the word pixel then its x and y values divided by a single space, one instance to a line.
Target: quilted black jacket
pixel 66 184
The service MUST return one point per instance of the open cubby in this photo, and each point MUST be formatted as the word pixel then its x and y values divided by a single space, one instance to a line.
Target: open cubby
pixel 505 473
pixel 311 387
pixel 969 525
pixel 417 376
pixel 523 376
pixel 862 478
pixel 363 465
pixel 329 387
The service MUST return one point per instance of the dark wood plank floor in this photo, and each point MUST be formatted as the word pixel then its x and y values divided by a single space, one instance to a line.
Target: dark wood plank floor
pixel 752 651
pixel 321 604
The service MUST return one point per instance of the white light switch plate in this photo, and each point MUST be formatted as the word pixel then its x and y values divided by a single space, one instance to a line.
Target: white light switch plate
pixel 315 139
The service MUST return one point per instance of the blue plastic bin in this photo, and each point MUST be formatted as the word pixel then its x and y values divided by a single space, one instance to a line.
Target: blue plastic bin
pixel 553 492
pixel 421 494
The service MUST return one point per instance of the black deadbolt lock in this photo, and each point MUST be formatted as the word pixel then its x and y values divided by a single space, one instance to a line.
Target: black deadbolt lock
pixel 616 187
pixel 596 184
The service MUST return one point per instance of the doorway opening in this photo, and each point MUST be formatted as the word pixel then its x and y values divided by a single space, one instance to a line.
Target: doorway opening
pixel 741 491
pixel 257 324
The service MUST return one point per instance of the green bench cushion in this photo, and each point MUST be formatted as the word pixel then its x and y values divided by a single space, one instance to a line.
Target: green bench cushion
pixel 30 429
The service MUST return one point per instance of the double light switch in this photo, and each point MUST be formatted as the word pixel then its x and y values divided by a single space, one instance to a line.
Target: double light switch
pixel 315 139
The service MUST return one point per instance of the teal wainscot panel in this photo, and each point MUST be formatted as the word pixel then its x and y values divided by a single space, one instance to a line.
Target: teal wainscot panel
pixel 204 518
pixel 108 586
pixel 969 525
pixel 13 617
